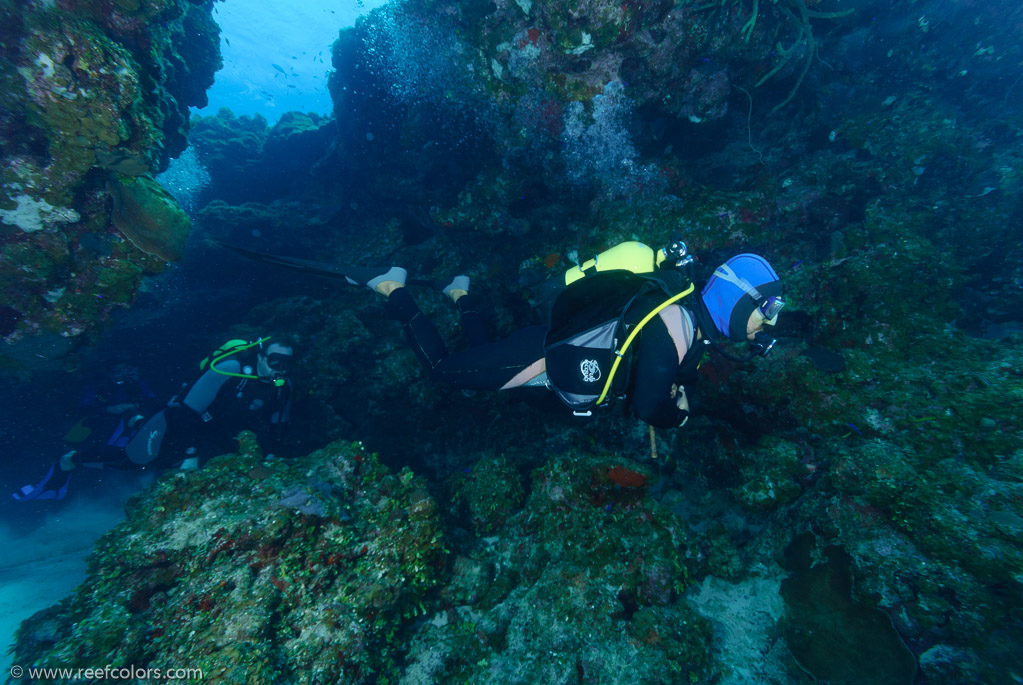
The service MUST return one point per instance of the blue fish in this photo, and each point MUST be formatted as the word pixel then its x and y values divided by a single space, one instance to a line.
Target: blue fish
pixel 279 68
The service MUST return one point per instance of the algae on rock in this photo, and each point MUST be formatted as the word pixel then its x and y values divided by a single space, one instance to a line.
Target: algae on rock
pixel 149 216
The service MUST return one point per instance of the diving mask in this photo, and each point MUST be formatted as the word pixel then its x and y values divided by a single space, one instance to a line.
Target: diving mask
pixel 770 308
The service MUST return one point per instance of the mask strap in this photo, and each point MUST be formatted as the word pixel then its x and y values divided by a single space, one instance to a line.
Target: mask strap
pixel 725 273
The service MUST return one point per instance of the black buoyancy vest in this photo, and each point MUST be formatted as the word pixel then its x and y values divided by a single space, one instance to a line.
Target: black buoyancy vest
pixel 589 321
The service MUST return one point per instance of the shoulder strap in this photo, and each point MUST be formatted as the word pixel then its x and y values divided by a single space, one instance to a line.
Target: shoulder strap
pixel 620 352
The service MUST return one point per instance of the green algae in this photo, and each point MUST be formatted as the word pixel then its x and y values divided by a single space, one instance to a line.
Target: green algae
pixel 149 216
pixel 491 493
pixel 81 83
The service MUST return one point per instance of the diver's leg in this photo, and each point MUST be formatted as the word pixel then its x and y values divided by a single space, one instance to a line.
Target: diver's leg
pixel 473 322
pixel 105 457
pixel 494 366
pixel 422 335
pixel 138 452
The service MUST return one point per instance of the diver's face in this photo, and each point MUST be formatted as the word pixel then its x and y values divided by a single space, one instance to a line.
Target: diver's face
pixel 274 362
pixel 123 373
pixel 756 323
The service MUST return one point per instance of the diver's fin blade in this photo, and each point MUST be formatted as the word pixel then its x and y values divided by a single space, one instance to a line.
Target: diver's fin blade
pixel 353 275
pixel 44 489
pixel 296 263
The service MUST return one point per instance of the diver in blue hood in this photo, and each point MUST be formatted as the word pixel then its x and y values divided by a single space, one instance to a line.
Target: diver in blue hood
pixel 741 297
pixel 626 325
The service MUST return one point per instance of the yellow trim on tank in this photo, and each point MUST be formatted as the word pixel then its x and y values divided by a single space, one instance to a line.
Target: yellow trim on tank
pixel 628 256
pixel 218 354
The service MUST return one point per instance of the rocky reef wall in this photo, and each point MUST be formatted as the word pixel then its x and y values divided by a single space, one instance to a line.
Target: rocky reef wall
pixel 95 99
pixel 857 492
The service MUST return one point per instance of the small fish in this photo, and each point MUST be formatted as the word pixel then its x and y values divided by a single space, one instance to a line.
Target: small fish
pixel 292 86
pixel 228 42
pixel 987 191
pixel 279 68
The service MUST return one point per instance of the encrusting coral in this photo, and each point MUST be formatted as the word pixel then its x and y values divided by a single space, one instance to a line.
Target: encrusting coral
pixel 149 217
pixel 90 92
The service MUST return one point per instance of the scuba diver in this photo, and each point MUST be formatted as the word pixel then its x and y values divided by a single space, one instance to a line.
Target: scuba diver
pixel 626 325
pixel 117 395
pixel 242 385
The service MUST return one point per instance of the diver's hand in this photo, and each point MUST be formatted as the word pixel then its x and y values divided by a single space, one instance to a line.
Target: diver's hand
pixel 678 393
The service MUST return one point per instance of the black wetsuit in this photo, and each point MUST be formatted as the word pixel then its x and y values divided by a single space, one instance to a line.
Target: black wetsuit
pixel 650 369
pixel 110 397
pixel 203 420
pixel 106 408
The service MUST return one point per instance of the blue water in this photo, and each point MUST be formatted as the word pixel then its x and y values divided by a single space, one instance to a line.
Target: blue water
pixel 257 34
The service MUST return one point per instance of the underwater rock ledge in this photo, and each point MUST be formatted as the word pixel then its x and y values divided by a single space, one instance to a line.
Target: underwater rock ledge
pixel 225 570
pixel 89 92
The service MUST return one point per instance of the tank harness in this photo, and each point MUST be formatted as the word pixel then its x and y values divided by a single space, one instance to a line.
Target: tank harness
pixel 584 345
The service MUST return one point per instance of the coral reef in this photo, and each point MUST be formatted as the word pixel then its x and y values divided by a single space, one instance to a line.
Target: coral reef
pixel 220 570
pixel 582 583
pixel 149 216
pixel 92 91
pixel 863 481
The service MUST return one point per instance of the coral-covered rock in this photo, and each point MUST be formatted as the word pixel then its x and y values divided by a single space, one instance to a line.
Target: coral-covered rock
pixel 302 573
pixel 90 91
pixel 149 217
pixel 490 492
pixel 572 587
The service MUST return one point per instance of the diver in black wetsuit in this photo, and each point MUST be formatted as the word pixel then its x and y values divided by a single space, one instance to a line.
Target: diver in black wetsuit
pixel 625 325
pixel 243 385
pixel 108 403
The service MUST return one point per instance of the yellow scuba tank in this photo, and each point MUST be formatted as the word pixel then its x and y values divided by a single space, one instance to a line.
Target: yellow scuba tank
pixel 628 256
pixel 222 351
pixel 232 347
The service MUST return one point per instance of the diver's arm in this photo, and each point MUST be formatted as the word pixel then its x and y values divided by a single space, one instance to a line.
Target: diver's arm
pixel 657 397
pixel 280 418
